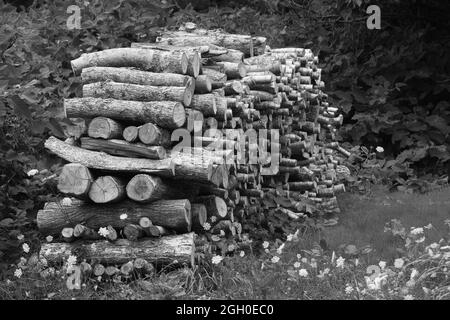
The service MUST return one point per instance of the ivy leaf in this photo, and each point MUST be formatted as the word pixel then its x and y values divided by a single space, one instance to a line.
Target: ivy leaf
pixel 438 123
pixel 21 108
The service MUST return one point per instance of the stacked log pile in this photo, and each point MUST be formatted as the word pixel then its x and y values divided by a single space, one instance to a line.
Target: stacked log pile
pixel 193 133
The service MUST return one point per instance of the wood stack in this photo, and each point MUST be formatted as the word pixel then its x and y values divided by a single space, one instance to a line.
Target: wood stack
pixel 192 133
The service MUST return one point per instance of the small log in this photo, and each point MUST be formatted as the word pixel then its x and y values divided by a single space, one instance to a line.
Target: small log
pixel 195 119
pixel 144 59
pixel 172 214
pixel 107 189
pixel 137 92
pixel 215 206
pixel 83 232
pixel 75 180
pixel 130 134
pixel 98 269
pixel 233 70
pixel 167 114
pixel 145 222
pixel 133 232
pixel 111 270
pixel 215 76
pixel 67 234
pixel 127 268
pixel 144 188
pixel 231 56
pixel 105 128
pixel 162 250
pixel 123 148
pixel 157 231
pixel 153 135
pixel 102 161
pixel 199 215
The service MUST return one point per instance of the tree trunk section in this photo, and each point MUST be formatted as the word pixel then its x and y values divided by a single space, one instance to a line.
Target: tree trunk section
pixel 75 180
pixel 107 189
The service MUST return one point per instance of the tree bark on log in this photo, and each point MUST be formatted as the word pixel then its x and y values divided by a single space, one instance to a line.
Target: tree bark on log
pixel 172 214
pixel 123 75
pixel 123 148
pixel 137 92
pixel 144 59
pixel 107 189
pixel 103 161
pixel 163 250
pixel 167 114
pixel 75 180
pixel 203 84
pixel 215 206
pixel 233 70
pixel 206 103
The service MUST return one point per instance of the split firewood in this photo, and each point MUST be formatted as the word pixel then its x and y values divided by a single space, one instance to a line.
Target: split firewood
pixel 123 148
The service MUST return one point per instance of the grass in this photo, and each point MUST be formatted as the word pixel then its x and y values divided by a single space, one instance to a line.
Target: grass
pixel 250 276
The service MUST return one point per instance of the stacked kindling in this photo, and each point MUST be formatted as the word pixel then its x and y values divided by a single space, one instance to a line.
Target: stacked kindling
pixel 190 133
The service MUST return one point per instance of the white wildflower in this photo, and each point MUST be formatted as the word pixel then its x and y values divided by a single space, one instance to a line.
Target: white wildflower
pixel 313 263
pixel 242 254
pixel 49 238
pixel 382 264
pixel 297 264
pixel 340 262
pixel 103 231
pixel 299 256
pixel 303 273
pixel 398 263
pixel 434 245
pixel 266 250
pixel 417 231
pixel 26 248
pixel 408 297
pixel 206 226
pixel 265 244
pixel 428 226
pixel 71 260
pixel 123 216
pixel 414 273
pixel 32 172
pixel 20 237
pixel 280 249
pixel 356 262
pixel 290 237
pixel 222 233
pixel 379 149
pixel 18 273
pixel 216 259
pixel 420 240
pixel 275 259
pixel 213 219
pixel 348 289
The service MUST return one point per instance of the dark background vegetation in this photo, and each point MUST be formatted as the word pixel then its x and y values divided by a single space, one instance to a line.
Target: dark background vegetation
pixel 393 84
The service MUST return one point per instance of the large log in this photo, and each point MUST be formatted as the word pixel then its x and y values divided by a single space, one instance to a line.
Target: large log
pixel 167 114
pixel 144 59
pixel 153 135
pixel 164 250
pixel 75 180
pixel 138 92
pixel 103 161
pixel 172 214
pixel 124 75
pixel 206 103
pixel 123 148
pixel 107 189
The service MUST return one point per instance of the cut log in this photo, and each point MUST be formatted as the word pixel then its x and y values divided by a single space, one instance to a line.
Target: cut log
pixel 133 232
pixel 124 75
pixel 172 214
pixel 214 75
pixel 231 56
pixel 206 103
pixel 103 161
pixel 130 134
pixel 67 234
pixel 167 114
pixel 195 119
pixel 163 250
pixel 105 128
pixel 203 84
pixel 145 222
pixel 153 135
pixel 75 180
pixel 158 231
pixel 199 215
pixel 83 232
pixel 144 59
pixel 98 271
pixel 107 189
pixel 233 70
pixel 123 148
pixel 145 188
pixel 215 206
pixel 137 92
